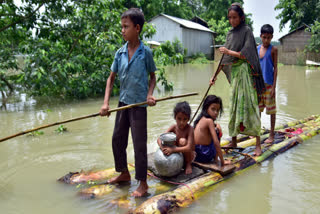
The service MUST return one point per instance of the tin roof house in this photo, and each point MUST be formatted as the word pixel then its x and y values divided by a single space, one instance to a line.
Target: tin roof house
pixel 193 36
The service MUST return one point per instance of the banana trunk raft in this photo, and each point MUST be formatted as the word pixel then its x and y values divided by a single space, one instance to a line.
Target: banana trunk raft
pixel 183 190
pixel 182 196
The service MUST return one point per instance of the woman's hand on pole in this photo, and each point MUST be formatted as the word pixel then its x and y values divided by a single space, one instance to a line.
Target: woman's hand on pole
pixel 213 80
pixel 224 50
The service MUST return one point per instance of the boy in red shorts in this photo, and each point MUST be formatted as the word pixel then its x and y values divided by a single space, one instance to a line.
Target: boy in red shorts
pixel 268 55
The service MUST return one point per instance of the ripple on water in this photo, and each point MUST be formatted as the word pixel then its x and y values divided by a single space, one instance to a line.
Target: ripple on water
pixel 295 180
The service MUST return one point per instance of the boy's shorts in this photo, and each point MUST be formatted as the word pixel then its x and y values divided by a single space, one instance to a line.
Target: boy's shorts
pixel 267 101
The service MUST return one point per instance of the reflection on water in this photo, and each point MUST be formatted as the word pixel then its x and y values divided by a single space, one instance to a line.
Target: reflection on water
pixel 30 165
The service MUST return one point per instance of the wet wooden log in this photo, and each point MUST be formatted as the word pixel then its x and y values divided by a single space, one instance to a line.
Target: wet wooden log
pixel 87 176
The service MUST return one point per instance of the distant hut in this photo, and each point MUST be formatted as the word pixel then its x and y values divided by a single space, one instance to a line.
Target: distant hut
pixel 291 49
pixel 193 36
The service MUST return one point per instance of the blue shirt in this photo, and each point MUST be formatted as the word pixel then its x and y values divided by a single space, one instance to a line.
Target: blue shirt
pixel 267 66
pixel 133 75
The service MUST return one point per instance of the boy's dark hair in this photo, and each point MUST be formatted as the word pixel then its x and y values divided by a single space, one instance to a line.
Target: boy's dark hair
pixel 207 102
pixel 182 107
pixel 266 29
pixel 135 15
pixel 238 8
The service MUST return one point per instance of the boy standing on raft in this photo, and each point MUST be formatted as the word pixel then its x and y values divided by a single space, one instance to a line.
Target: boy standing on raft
pixel 133 63
pixel 268 56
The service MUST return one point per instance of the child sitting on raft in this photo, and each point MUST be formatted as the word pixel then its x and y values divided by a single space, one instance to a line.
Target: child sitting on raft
pixel 184 135
pixel 207 133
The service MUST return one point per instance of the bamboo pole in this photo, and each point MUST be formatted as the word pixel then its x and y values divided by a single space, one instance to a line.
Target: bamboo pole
pixel 94 115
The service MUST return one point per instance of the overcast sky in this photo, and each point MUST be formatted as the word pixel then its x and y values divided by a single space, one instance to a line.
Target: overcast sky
pixel 263 13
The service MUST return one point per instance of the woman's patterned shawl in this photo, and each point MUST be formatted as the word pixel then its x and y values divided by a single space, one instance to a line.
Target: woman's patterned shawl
pixel 240 39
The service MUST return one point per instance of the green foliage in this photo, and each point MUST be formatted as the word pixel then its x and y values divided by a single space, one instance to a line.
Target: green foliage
pixel 72 48
pixel 69 46
pixel 168 86
pixel 148 31
pixel 221 27
pixel 298 12
pixel 218 19
pixel 72 58
pixel 301 58
pixel 61 129
pixel 198 58
pixel 169 53
pixel 218 10
pixel 314 42
pixel 185 9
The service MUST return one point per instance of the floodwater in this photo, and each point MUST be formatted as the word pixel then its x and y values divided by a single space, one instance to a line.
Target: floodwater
pixel 30 165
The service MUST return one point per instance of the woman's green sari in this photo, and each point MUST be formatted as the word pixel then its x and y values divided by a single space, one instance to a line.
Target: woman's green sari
pixel 244 101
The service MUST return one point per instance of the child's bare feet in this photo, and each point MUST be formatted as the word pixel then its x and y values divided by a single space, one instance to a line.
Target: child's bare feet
pixel 141 190
pixel 124 176
pixel 270 138
pixel 257 151
pixel 188 169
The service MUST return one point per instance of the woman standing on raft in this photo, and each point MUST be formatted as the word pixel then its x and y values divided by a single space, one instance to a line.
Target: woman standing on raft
pixel 242 68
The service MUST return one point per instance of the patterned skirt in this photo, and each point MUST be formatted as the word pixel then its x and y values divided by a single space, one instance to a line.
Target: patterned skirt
pixel 244 101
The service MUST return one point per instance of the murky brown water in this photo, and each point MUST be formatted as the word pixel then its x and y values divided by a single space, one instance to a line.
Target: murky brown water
pixel 30 166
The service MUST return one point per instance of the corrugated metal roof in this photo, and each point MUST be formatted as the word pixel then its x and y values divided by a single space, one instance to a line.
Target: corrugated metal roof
pixel 186 23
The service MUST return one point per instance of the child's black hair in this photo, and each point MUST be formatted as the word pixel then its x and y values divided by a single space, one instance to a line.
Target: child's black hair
pixel 237 7
pixel 135 15
pixel 207 102
pixel 266 29
pixel 182 107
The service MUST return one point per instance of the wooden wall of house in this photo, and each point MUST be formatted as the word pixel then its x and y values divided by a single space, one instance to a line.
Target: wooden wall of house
pixel 297 40
pixel 297 57
pixel 291 50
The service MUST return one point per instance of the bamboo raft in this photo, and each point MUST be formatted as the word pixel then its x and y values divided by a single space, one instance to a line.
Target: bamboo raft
pixel 168 198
